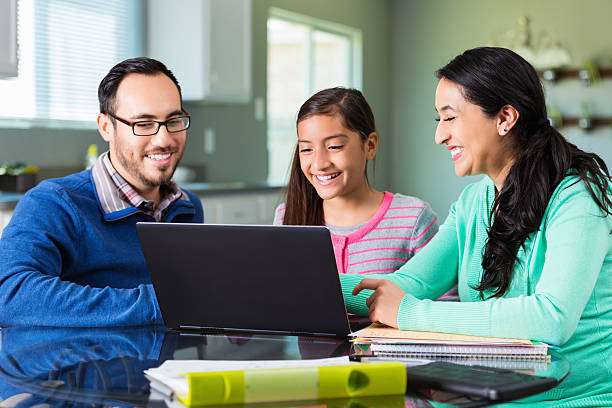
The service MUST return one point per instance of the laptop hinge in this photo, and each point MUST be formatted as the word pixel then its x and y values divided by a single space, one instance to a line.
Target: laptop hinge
pixel 229 330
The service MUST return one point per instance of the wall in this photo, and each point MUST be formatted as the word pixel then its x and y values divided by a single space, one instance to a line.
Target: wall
pixel 56 151
pixel 426 35
pixel 240 140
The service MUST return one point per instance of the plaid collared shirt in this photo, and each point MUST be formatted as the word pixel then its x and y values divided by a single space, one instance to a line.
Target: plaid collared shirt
pixel 106 176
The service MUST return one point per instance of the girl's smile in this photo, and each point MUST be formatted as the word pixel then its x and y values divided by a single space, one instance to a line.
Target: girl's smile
pixel 326 180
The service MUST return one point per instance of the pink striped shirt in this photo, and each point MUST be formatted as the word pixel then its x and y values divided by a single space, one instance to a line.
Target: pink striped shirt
pixel 399 229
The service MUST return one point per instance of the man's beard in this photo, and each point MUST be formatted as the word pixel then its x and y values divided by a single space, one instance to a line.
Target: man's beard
pixel 133 168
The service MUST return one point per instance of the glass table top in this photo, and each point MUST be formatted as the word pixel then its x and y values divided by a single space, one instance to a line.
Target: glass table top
pixel 104 366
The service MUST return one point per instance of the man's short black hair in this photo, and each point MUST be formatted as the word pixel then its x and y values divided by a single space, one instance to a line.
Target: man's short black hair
pixel 140 65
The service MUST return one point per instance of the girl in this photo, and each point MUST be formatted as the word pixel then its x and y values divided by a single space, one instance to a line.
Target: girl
pixel 530 245
pixel 372 231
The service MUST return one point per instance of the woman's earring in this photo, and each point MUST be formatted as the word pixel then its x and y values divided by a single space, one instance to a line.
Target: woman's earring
pixel 505 130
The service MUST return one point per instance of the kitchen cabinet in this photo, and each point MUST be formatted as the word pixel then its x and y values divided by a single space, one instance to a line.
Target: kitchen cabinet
pixel 207 44
pixel 241 208
pixel 8 38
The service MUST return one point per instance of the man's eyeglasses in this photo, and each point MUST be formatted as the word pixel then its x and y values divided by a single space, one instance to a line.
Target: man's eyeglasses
pixel 151 127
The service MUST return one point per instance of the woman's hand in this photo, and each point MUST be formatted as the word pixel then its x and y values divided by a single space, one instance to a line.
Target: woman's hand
pixel 383 304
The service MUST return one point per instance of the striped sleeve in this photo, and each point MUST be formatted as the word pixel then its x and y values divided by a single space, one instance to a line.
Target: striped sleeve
pixel 425 227
pixel 279 214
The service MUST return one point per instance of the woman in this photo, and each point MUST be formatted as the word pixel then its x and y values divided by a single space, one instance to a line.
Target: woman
pixel 530 246
pixel 372 231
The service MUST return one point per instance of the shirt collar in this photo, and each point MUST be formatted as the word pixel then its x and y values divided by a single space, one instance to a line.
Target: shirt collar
pixel 116 194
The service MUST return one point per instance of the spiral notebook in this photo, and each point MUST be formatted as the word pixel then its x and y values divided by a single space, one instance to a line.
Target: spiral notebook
pixel 526 365
pixel 384 341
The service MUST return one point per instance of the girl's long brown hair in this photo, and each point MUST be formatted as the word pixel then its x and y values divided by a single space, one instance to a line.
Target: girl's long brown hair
pixel 303 204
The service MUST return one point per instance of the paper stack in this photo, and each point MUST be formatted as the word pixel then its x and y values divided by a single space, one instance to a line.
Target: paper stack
pixel 381 341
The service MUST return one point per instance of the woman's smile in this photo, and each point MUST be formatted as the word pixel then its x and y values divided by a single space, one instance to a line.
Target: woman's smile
pixel 456 152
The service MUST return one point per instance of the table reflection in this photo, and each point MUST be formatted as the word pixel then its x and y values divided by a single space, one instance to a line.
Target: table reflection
pixel 89 366
pixel 104 366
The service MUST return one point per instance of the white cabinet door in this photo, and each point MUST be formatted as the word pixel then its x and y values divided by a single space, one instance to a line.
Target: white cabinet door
pixel 230 209
pixel 247 208
pixel 267 203
pixel 239 210
pixel 8 38
pixel 206 43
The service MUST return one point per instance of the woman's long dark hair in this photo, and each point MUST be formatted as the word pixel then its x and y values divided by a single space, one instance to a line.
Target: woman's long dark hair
pixel 303 205
pixel 492 78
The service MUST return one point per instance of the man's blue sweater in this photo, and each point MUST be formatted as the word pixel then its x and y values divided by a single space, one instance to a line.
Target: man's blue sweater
pixel 64 262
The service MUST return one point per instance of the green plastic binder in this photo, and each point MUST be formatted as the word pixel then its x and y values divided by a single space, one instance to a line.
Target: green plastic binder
pixel 294 384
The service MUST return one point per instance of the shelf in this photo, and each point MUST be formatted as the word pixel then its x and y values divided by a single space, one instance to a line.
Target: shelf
pixel 575 73
pixel 595 122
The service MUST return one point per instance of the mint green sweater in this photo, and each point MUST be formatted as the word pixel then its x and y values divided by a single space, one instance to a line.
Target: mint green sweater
pixel 561 289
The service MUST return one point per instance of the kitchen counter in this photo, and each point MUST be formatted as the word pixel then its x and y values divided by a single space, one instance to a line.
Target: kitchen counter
pixel 237 187
pixel 9 200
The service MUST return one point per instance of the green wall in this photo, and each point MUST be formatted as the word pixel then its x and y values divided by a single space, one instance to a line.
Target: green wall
pixel 428 34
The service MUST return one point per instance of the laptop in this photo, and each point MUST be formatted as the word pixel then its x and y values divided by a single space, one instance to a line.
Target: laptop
pixel 253 278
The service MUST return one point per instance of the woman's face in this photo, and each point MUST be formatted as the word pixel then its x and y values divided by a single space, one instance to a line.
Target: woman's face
pixel 332 157
pixel 473 139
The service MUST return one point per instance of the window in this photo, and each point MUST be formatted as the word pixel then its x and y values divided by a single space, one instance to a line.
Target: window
pixel 305 55
pixel 65 48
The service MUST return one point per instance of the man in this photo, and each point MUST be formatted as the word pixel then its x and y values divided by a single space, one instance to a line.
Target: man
pixel 70 255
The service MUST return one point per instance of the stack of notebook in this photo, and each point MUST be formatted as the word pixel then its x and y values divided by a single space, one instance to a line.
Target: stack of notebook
pixel 382 341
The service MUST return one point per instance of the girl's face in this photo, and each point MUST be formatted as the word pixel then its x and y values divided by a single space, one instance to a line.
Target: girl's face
pixel 473 139
pixel 332 157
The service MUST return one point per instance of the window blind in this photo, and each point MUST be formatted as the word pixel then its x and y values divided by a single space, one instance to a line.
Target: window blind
pixel 65 49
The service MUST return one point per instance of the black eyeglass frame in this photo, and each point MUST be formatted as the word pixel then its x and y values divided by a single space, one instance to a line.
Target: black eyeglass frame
pixel 159 123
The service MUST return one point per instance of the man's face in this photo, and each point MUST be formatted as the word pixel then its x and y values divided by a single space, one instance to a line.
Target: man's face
pixel 145 162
